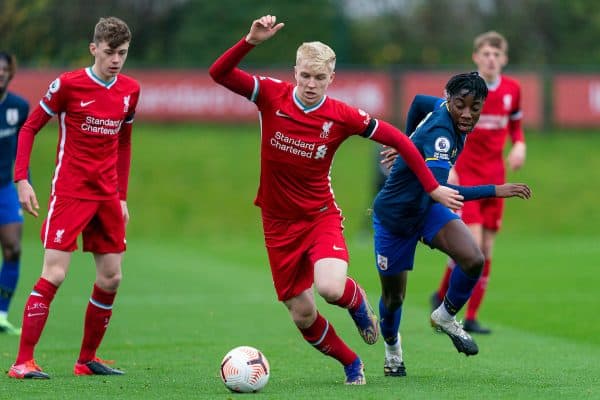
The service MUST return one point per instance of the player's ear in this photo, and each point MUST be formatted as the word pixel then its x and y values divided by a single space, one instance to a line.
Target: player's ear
pixel 93 49
pixel 331 77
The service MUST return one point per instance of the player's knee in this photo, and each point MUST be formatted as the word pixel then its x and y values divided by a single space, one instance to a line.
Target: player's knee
pixel 110 281
pixel 303 317
pixel 473 265
pixel 11 251
pixel 331 291
pixel 393 301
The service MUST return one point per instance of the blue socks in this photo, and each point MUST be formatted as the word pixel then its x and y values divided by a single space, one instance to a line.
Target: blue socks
pixel 459 290
pixel 9 275
pixel 389 323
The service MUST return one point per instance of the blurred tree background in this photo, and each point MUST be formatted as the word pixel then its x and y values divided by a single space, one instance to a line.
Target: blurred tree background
pixel 378 33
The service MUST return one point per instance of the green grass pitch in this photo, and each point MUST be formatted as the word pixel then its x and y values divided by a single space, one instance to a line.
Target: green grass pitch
pixel 196 283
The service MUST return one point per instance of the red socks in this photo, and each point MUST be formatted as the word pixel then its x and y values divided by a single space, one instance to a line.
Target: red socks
pixel 97 317
pixel 323 337
pixel 35 316
pixel 478 292
pixel 352 297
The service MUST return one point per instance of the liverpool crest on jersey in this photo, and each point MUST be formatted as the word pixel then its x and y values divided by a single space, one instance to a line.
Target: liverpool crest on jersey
pixel 12 116
pixel 325 129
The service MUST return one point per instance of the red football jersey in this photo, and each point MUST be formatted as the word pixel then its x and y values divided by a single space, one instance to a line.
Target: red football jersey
pixel 297 148
pixel 91 113
pixel 482 161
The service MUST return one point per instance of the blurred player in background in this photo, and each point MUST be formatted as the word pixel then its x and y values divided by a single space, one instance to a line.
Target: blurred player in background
pixel 482 162
pixel 301 128
pixel 403 215
pixel 13 113
pixel 95 107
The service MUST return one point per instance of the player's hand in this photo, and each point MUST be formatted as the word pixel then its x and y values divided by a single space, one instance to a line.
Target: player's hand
pixel 262 29
pixel 27 197
pixel 448 197
pixel 513 190
pixel 388 156
pixel 516 156
pixel 125 211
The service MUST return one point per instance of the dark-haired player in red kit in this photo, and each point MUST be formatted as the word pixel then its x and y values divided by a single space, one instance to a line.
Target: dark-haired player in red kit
pixel 95 107
pixel 301 129
pixel 482 162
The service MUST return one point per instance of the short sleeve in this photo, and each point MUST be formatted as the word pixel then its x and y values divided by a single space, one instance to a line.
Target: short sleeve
pixel 265 89
pixel 358 121
pixel 53 100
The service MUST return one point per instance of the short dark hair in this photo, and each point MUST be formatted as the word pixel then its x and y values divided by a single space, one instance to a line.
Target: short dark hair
pixel 11 61
pixel 112 30
pixel 471 82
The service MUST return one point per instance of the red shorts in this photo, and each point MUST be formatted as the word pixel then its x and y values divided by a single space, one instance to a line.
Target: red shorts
pixel 293 247
pixel 485 212
pixel 100 222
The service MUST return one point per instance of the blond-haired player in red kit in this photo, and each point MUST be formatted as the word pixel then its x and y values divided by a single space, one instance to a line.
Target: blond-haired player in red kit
pixel 301 129
pixel 482 161
pixel 95 108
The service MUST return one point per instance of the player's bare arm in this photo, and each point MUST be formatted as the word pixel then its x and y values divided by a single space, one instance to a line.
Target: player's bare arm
pixel 125 211
pixel 263 29
pixel 516 156
pixel 513 190
pixel 27 197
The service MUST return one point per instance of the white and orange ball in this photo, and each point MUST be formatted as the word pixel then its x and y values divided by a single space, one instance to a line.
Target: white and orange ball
pixel 245 369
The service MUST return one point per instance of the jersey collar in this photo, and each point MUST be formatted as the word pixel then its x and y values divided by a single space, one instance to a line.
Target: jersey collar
pixel 98 80
pixel 305 108
pixel 494 85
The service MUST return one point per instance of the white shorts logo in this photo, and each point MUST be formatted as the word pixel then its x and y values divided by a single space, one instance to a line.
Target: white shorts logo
pixel 59 235
pixel 382 262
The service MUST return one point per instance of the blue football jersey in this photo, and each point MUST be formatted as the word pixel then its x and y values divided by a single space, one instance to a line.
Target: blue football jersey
pixel 402 203
pixel 13 113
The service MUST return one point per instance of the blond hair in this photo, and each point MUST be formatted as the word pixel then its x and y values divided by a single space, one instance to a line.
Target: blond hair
pixel 491 38
pixel 317 55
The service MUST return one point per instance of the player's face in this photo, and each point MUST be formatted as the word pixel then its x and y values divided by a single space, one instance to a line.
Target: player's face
pixel 108 61
pixel 490 61
pixel 465 111
pixel 4 75
pixel 312 82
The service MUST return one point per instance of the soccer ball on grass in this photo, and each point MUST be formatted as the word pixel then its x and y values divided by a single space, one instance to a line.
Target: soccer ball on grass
pixel 245 369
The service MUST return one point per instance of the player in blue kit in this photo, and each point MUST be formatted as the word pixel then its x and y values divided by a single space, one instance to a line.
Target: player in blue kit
pixel 13 113
pixel 404 215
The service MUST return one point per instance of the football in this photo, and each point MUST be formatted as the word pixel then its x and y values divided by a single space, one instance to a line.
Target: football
pixel 244 370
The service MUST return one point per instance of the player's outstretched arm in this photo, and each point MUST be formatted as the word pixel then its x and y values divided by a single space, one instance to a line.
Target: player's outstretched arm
pixel 263 29
pixel 513 190
pixel 27 197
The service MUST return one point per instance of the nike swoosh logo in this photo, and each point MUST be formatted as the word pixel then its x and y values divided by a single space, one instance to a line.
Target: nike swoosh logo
pixel 86 103
pixel 35 314
pixel 337 248
pixel 280 114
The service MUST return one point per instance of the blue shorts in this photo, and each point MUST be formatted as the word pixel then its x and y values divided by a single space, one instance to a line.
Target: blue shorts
pixel 395 253
pixel 10 209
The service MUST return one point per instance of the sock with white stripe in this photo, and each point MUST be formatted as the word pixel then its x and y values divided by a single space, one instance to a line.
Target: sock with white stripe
pixel 97 317
pixel 35 316
pixel 323 337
